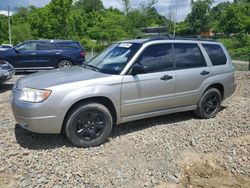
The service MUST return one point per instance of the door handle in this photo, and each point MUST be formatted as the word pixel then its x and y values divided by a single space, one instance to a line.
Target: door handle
pixel 203 73
pixel 33 53
pixel 166 77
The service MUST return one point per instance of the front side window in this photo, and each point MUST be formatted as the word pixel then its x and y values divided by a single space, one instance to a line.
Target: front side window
pixel 157 58
pixel 114 58
pixel 45 46
pixel 28 46
pixel 188 56
pixel 216 54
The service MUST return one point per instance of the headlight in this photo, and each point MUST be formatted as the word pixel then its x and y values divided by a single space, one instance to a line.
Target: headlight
pixel 34 95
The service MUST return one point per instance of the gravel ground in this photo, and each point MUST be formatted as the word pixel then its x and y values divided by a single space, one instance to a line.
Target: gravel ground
pixel 176 150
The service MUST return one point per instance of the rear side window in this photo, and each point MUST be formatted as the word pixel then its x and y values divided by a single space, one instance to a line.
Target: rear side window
pixel 45 46
pixel 68 46
pixel 188 56
pixel 216 54
pixel 157 58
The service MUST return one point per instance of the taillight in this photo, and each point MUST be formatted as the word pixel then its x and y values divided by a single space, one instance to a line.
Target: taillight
pixel 82 54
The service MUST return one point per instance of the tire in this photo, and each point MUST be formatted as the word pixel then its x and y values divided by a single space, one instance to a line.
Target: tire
pixel 209 104
pixel 88 125
pixel 64 63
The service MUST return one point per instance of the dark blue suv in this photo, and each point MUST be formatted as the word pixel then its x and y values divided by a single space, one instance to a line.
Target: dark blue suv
pixel 44 54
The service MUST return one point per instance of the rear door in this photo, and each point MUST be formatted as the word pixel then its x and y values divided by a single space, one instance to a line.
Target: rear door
pixel 153 90
pixel 191 72
pixel 47 55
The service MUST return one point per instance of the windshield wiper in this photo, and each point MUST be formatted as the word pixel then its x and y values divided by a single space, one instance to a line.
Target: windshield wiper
pixel 91 66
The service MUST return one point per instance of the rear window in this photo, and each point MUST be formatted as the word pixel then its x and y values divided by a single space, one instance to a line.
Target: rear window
pixel 188 56
pixel 216 54
pixel 45 46
pixel 68 46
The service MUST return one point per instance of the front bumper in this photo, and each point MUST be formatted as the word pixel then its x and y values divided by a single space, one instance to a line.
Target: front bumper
pixel 35 117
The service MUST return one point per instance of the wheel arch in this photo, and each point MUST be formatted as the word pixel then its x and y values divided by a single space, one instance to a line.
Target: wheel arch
pixel 98 99
pixel 218 86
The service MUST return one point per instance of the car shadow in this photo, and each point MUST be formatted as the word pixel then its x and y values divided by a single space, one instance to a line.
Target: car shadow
pixel 139 125
pixel 34 141
pixel 5 87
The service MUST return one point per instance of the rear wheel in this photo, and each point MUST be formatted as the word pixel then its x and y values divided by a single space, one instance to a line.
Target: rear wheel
pixel 88 125
pixel 64 63
pixel 209 104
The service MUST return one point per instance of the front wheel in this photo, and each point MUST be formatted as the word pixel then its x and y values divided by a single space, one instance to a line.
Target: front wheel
pixel 209 104
pixel 88 125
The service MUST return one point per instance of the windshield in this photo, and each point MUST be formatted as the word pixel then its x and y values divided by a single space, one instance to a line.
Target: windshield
pixel 114 58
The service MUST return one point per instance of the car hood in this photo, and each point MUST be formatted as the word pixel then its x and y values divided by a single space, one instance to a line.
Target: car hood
pixel 42 80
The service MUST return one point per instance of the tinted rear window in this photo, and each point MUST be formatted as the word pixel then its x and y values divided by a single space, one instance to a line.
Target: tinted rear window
pixel 68 46
pixel 188 56
pixel 45 46
pixel 216 54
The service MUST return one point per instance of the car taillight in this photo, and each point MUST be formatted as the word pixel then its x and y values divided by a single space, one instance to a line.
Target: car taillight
pixel 82 54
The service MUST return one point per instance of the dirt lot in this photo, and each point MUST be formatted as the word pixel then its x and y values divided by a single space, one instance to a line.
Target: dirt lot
pixel 176 150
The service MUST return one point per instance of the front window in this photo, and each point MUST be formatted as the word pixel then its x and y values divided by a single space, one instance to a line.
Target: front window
pixel 28 46
pixel 114 58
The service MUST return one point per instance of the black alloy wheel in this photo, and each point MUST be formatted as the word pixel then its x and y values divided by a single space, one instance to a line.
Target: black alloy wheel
pixel 88 124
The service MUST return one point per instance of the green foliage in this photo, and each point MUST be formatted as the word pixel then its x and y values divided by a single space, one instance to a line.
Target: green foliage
pixel 233 19
pixel 20 33
pixel 95 26
pixel 199 19
pixel 111 27
pixel 90 5
pixel 183 29
pixel 238 46
pixel 3 29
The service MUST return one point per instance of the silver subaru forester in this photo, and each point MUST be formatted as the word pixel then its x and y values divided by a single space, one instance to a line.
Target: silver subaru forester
pixel 130 80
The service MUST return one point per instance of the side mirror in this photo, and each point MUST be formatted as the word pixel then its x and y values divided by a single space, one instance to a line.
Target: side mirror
pixel 17 49
pixel 138 69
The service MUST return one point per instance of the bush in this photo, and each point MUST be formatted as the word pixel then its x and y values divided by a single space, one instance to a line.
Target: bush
pixel 89 44
pixel 238 46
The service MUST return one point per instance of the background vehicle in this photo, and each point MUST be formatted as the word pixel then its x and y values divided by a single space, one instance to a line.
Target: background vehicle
pixel 128 81
pixel 5 47
pixel 44 54
pixel 6 71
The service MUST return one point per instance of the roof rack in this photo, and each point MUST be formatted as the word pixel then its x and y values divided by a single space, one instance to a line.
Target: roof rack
pixel 170 37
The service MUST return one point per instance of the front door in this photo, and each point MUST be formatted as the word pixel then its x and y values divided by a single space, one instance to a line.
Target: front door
pixel 153 90
pixel 25 56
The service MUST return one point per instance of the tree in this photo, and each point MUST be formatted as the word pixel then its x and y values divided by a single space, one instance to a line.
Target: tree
pixel 77 23
pixel 234 19
pixel 216 14
pixel 112 26
pixel 90 5
pixel 198 20
pixel 20 33
pixel 59 11
pixel 126 6
pixel 3 28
